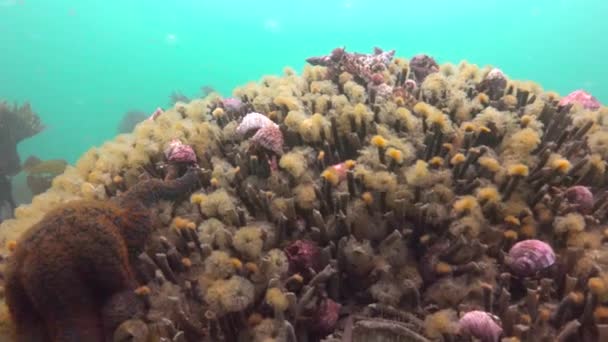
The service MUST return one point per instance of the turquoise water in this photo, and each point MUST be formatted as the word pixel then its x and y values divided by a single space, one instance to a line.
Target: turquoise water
pixel 83 64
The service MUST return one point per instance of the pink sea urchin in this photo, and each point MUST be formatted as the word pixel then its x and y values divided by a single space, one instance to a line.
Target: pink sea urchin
pixel 530 256
pixel 581 97
pixel 481 325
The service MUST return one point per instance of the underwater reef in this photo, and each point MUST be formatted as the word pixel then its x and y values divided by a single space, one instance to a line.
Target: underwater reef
pixel 371 198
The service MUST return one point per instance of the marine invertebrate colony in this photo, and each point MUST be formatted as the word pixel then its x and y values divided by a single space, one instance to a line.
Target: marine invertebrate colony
pixel 369 198
pixel 75 265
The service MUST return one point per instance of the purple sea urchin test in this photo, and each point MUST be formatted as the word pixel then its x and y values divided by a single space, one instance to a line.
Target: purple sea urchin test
pixel 481 325
pixel 530 256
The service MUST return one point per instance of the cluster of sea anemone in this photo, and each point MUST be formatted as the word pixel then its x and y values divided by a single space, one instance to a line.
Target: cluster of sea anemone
pixel 371 198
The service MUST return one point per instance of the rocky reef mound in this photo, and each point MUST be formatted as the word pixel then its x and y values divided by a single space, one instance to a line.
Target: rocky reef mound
pixel 371 198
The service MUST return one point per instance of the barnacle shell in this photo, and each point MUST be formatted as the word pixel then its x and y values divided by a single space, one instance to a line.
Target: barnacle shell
pixel 253 121
pixel 495 74
pixel 179 152
pixel 494 83
pixel 410 84
pixel 270 137
pixel 481 325
pixel 580 196
pixel 530 256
